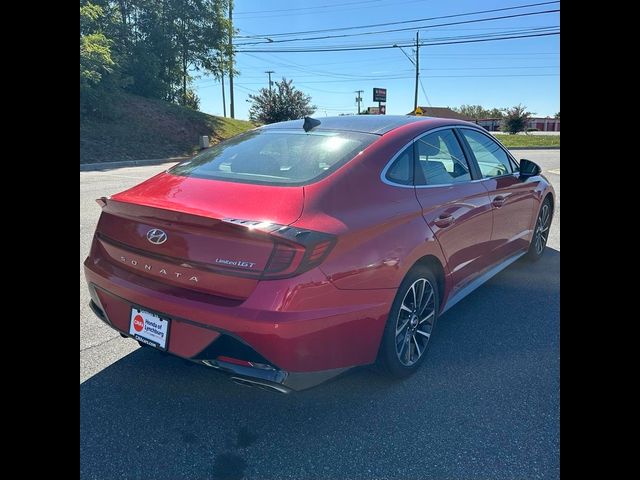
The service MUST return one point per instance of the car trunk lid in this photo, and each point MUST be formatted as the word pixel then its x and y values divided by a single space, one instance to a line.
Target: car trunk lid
pixel 189 232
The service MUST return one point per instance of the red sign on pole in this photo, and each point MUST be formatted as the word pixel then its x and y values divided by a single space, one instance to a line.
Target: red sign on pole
pixel 379 94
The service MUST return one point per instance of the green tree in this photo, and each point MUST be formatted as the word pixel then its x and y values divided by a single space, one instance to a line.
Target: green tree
pixel 515 119
pixel 282 103
pixel 557 115
pixel 96 61
pixel 474 112
pixel 477 112
pixel 160 46
pixel 201 30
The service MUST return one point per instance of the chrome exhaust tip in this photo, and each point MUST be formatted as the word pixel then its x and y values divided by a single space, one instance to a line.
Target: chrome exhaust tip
pixel 257 384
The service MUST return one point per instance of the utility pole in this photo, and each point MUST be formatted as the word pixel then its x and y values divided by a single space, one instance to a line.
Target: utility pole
pixel 269 72
pixel 224 101
pixel 231 109
pixel 415 98
pixel 359 99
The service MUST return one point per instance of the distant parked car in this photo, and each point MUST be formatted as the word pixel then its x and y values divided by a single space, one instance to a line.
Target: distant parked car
pixel 295 251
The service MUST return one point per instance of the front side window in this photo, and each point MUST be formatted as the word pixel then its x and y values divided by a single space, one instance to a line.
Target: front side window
pixel 440 160
pixel 492 159
pixel 276 157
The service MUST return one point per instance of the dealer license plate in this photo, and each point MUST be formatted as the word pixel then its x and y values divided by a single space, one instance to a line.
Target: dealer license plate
pixel 149 328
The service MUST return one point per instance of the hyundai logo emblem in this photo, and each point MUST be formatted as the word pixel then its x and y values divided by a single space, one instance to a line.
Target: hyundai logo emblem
pixel 156 236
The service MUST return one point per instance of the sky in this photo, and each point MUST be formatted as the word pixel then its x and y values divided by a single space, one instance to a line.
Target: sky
pixel 498 74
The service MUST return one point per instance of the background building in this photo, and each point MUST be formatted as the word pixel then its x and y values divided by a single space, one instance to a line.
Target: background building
pixel 541 124
pixel 442 112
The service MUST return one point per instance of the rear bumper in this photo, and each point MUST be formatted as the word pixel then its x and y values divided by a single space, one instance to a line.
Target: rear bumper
pixel 303 328
pixel 270 379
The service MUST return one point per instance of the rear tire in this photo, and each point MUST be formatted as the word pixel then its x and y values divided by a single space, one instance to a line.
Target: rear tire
pixel 540 231
pixel 411 321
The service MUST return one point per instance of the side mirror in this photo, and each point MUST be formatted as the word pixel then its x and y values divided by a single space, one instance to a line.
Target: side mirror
pixel 529 168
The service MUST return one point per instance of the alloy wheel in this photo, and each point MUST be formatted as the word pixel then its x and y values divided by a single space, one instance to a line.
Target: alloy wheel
pixel 415 322
pixel 542 228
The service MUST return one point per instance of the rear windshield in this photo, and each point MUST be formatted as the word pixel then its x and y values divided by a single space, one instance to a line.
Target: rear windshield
pixel 276 157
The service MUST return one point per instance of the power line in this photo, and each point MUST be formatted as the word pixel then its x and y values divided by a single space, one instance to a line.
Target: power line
pixel 381 47
pixel 404 29
pixel 424 92
pixel 496 76
pixel 329 91
pixel 382 77
pixel 387 59
pixel 329 11
pixel 340 4
pixel 397 23
pixel 412 76
pixel 329 74
pixel 242 86
pixel 490 68
pixel 303 68
pixel 385 45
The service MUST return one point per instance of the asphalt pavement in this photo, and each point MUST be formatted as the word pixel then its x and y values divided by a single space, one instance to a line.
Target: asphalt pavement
pixel 485 405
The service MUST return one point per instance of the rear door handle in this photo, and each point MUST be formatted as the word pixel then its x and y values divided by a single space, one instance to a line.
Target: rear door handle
pixel 444 220
pixel 498 201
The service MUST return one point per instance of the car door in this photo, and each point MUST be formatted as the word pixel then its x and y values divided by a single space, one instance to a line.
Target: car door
pixel 454 204
pixel 512 199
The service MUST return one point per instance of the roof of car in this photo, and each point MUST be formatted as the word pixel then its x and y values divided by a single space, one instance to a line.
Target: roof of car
pixel 378 124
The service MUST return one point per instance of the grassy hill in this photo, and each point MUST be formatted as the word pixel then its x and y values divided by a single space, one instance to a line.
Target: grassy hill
pixel 141 128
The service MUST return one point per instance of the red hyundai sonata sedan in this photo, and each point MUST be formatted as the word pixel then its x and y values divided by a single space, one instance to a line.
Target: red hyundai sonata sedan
pixel 295 251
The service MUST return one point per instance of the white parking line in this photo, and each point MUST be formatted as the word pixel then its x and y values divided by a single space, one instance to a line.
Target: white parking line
pixel 122 176
pixel 556 171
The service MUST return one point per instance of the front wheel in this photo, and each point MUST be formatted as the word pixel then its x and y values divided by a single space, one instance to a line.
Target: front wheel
pixel 541 231
pixel 410 324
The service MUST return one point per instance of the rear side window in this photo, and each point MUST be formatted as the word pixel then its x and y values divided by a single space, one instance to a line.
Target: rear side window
pixel 439 160
pixel 492 159
pixel 401 170
pixel 276 157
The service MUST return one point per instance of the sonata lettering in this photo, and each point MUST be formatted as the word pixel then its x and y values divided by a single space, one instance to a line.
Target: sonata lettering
pixel 162 271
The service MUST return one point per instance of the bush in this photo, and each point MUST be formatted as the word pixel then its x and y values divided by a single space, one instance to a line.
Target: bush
pixel 282 103
pixel 515 119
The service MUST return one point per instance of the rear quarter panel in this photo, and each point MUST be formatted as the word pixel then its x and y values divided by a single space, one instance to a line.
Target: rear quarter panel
pixel 380 228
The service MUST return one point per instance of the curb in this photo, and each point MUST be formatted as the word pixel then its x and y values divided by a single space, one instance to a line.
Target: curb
pixel 85 167
pixel 532 148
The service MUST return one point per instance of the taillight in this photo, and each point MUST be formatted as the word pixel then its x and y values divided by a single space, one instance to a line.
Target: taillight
pixel 281 258
pixel 319 252
pixel 296 250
